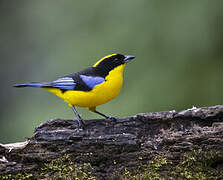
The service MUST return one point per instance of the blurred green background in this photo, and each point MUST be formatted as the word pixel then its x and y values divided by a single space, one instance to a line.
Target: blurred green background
pixel 178 47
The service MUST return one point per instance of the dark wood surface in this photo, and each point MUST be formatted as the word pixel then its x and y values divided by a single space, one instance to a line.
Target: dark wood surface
pixel 127 142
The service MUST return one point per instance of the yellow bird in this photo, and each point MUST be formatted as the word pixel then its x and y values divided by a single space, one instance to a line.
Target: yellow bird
pixel 90 87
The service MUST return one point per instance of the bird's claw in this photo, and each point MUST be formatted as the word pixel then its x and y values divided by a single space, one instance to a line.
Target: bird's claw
pixel 81 123
pixel 112 118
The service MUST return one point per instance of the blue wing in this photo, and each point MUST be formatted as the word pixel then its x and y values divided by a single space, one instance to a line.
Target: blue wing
pixel 65 83
pixel 69 83
pixel 92 81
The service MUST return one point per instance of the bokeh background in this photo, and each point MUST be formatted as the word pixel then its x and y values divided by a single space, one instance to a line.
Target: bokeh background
pixel 178 47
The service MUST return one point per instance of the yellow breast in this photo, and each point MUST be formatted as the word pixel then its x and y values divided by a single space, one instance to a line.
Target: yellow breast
pixel 100 94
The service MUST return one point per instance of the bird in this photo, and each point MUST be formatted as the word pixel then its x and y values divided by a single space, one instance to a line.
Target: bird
pixel 90 87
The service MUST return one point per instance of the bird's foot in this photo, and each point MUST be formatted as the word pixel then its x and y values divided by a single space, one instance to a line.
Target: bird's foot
pixel 115 119
pixel 81 123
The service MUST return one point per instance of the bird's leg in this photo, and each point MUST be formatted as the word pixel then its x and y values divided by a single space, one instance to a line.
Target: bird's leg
pixel 106 116
pixel 93 109
pixel 78 118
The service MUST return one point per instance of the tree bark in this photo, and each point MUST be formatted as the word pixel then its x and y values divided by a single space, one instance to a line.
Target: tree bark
pixel 170 145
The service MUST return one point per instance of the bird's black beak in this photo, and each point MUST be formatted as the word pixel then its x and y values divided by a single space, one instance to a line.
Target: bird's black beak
pixel 128 58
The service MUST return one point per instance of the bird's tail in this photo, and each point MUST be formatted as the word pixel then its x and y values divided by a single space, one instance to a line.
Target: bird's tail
pixel 29 85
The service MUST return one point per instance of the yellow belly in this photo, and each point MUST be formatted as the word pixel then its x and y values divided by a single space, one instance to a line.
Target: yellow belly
pixel 101 93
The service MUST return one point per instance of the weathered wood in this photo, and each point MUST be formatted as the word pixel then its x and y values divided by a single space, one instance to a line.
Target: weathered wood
pixel 110 147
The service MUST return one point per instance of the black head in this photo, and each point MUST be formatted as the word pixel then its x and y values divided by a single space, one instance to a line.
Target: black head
pixel 112 61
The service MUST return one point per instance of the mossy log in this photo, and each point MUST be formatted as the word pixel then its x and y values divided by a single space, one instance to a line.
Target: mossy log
pixel 169 145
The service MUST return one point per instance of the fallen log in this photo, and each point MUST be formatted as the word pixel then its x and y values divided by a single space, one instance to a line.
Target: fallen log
pixel 170 145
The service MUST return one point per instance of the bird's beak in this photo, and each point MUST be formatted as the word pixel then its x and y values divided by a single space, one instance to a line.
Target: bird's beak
pixel 128 58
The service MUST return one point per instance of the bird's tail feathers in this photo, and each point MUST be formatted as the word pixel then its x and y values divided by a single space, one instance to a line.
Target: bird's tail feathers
pixel 65 83
pixel 34 84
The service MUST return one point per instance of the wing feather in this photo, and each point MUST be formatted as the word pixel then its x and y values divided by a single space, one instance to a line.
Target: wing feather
pixel 65 83
pixel 92 81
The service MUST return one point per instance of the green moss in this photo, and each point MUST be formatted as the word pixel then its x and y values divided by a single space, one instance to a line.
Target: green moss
pixel 21 176
pixel 64 168
pixel 147 172
pixel 199 165
pixel 195 165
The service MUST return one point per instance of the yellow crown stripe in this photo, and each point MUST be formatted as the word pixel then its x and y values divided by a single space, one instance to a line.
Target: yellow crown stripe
pixel 103 59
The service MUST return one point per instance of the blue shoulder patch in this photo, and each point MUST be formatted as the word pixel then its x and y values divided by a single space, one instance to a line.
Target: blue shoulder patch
pixel 92 81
